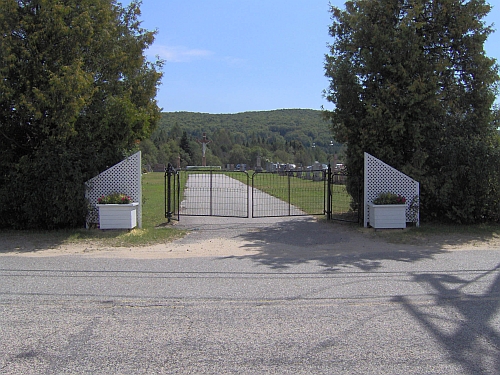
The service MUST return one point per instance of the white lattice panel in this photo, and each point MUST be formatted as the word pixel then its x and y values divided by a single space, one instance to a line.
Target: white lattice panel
pixel 124 177
pixel 381 178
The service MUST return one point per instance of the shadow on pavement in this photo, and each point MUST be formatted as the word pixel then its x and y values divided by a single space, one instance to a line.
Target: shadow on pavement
pixel 470 333
pixel 460 308
pixel 289 243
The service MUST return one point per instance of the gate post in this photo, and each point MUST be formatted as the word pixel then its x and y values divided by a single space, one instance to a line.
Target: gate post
pixel 329 194
pixel 168 191
pixel 289 174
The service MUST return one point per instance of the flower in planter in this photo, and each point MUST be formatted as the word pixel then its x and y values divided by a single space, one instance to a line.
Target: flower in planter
pixel 114 198
pixel 389 198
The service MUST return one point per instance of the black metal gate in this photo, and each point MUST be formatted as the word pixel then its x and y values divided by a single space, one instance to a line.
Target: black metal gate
pixel 341 205
pixel 172 193
pixel 208 192
pixel 289 193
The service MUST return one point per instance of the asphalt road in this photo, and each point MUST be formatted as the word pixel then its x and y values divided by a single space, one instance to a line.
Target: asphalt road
pixel 373 313
pixel 310 299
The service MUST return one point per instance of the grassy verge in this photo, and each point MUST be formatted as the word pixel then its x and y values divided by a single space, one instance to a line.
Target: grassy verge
pixel 441 234
pixel 154 229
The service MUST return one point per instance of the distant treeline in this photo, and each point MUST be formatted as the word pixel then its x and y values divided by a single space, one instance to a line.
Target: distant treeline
pixel 297 136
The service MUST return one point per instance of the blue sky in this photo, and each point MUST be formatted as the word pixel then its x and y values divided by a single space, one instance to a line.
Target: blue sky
pixel 229 56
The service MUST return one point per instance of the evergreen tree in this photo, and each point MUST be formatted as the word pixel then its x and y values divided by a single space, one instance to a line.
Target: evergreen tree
pixel 412 85
pixel 76 95
pixel 184 143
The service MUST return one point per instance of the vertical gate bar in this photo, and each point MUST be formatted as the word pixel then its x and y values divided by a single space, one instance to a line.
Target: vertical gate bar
pixel 253 203
pixel 325 182
pixel 289 196
pixel 248 195
pixel 329 199
pixel 165 192
pixel 169 193
pixel 177 199
pixel 211 192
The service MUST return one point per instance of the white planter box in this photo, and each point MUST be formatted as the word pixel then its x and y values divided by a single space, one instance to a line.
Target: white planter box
pixel 387 215
pixel 118 216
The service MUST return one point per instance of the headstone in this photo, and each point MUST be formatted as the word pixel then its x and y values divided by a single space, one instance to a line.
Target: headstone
pixel 159 168
pixel 317 171
pixel 258 167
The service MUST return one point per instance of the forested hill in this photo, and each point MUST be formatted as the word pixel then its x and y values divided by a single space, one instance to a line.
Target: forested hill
pixel 298 136
pixel 302 125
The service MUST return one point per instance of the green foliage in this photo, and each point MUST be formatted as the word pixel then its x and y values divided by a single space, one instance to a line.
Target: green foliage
pixel 186 149
pixel 412 86
pixel 77 94
pixel 285 136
